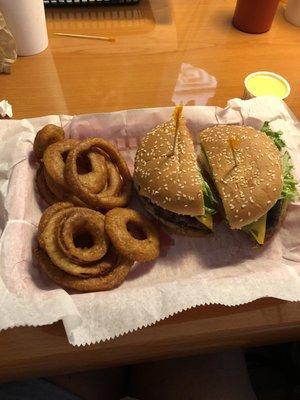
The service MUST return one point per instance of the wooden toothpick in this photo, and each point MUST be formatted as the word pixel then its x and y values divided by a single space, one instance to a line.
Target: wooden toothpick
pixel 74 35
pixel 232 143
pixel 177 114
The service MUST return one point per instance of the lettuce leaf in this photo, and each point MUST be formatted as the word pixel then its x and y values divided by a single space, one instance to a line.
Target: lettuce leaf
pixel 289 191
pixel 275 136
pixel 209 200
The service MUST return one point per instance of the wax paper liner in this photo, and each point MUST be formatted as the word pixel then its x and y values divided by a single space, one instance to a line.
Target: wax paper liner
pixel 225 268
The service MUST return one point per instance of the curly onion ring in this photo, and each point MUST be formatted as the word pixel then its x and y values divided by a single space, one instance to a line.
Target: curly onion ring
pixel 114 181
pixel 49 134
pixel 116 226
pixel 54 161
pixel 84 222
pixel 43 188
pixel 100 283
pixel 95 180
pixel 48 239
pixel 47 215
pixel 105 199
pixel 59 191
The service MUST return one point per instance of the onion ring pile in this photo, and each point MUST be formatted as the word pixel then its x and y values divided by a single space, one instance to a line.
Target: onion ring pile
pixel 75 252
pixel 84 250
pixel 89 173
pixel 79 247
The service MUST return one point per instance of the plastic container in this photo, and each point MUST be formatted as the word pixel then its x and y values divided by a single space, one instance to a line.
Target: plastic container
pixel 292 12
pixel 264 83
pixel 26 21
pixel 254 16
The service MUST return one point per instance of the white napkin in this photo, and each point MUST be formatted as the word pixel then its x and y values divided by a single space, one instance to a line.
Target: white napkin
pixel 5 109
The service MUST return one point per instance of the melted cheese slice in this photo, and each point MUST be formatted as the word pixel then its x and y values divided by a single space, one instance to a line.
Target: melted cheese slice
pixel 258 229
pixel 206 220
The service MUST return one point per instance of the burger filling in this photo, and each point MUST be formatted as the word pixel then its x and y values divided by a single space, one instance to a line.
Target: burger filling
pixel 198 222
pixel 209 205
pixel 183 221
pixel 266 225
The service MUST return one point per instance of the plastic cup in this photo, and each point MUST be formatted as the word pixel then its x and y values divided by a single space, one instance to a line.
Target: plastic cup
pixel 26 21
pixel 265 83
pixel 292 12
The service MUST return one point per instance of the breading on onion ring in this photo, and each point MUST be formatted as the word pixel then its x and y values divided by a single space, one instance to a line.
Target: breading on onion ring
pixel 93 284
pixel 59 191
pixel 109 197
pixel 43 188
pixel 117 227
pixel 48 214
pixel 95 179
pixel 48 135
pixel 54 159
pixel 85 225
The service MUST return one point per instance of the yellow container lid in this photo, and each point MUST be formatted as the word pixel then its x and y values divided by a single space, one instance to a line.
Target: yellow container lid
pixel 265 83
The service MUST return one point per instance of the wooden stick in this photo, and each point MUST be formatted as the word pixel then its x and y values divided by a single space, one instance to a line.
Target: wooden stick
pixel 74 35
pixel 232 143
pixel 177 114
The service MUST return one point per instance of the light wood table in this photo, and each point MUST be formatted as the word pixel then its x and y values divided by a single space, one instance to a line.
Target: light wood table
pixel 75 76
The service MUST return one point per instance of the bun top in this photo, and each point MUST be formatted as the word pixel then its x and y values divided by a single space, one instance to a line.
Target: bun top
pixel 246 167
pixel 168 175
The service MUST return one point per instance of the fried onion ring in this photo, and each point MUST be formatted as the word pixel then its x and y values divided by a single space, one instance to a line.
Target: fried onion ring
pixel 43 188
pixel 100 283
pixel 59 191
pixel 116 226
pixel 86 222
pixel 48 238
pixel 48 135
pixel 54 159
pixel 108 198
pixel 48 214
pixel 96 179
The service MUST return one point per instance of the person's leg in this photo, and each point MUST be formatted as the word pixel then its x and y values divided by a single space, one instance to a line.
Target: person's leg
pixel 221 376
pixel 104 384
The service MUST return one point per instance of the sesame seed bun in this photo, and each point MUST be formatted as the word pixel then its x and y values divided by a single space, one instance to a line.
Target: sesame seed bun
pixel 246 168
pixel 168 175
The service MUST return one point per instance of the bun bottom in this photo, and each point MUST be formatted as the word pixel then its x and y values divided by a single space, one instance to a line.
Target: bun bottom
pixel 173 227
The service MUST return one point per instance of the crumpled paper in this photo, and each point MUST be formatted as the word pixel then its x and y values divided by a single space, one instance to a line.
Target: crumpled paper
pixel 194 86
pixel 8 49
pixel 5 109
pixel 225 268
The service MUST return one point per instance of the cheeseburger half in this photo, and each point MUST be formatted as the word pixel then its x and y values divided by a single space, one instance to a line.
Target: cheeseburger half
pixel 169 182
pixel 252 173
